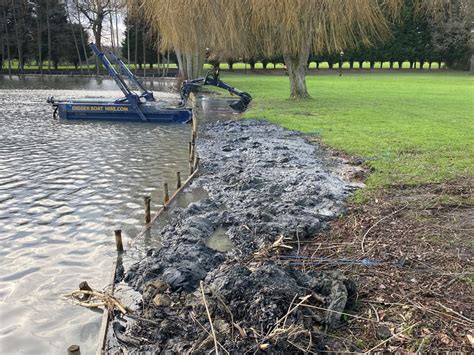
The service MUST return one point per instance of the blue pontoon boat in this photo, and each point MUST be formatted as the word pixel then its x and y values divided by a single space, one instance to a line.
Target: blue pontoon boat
pixel 138 107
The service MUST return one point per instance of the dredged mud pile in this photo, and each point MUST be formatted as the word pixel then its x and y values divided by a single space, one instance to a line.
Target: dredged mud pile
pixel 269 190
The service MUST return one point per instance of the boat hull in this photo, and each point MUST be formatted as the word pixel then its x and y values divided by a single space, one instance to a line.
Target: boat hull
pixel 122 112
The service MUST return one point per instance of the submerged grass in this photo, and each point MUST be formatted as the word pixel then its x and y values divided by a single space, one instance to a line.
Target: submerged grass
pixel 410 128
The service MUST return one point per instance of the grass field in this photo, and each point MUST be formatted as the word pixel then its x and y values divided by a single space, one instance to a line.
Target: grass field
pixel 410 128
pixel 417 131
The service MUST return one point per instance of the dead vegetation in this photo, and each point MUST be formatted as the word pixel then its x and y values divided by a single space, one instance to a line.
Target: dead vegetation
pixel 410 252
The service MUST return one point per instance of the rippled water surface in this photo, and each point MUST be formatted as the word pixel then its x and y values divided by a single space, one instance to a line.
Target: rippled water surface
pixel 64 188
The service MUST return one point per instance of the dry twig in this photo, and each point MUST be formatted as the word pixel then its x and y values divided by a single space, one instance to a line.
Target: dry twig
pixel 376 223
pixel 209 317
pixel 393 336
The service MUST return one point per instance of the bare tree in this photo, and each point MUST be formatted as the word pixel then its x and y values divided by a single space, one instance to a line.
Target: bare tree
pixel 48 29
pixel 7 40
pixel 144 50
pixel 73 36
pixel 39 30
pixel 95 12
pixel 112 32
pixel 19 36
pixel 76 3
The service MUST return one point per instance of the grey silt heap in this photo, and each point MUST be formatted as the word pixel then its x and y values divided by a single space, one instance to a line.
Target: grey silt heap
pixel 263 182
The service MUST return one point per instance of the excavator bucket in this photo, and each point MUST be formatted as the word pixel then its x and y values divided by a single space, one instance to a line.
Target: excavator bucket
pixel 240 105
pixel 212 78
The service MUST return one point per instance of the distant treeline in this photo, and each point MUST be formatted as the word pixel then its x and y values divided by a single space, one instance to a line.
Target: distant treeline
pixel 40 31
pixel 414 39
pixel 51 32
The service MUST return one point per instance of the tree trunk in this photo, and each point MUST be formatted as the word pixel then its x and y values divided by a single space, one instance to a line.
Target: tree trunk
pixel 73 36
pixel 38 30
pixel 158 54
pixel 117 31
pixel 361 64
pixel 296 66
pixel 23 5
pixel 97 30
pixel 167 63
pixel 471 67
pixel 181 64
pixel 188 65
pixel 198 64
pixel 128 39
pixel 19 44
pixel 82 37
pixel 112 34
pixel 7 38
pixel 135 60
pixel 3 47
pixel 48 26
pixel 391 65
pixel 144 51
pixel 351 65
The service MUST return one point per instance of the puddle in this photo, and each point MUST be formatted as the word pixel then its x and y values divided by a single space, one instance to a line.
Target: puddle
pixel 189 196
pixel 220 241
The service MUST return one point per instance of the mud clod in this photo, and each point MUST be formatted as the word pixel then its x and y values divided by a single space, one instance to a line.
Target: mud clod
pixel 264 184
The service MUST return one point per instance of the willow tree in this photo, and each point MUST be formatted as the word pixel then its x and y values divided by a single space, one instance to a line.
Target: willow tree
pixel 251 28
pixel 181 28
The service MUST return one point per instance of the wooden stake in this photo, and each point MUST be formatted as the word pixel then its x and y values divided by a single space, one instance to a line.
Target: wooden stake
pixel 194 123
pixel 74 350
pixel 191 154
pixel 166 193
pixel 118 243
pixel 178 180
pixel 147 202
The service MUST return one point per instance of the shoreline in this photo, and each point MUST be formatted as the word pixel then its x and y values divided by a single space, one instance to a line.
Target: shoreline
pixel 174 275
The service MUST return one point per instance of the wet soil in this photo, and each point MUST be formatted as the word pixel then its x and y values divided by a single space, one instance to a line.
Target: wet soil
pixel 269 191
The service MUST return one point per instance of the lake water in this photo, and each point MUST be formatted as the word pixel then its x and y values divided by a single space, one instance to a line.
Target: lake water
pixel 64 188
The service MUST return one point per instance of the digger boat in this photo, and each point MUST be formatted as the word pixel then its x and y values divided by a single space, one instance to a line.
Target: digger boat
pixel 138 107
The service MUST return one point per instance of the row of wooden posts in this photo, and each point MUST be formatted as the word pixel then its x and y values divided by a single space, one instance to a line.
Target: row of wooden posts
pixel 193 165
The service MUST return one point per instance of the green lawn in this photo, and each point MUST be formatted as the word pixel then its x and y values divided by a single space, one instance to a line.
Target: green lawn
pixel 411 128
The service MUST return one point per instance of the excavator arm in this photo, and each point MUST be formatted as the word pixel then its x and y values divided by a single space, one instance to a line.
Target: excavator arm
pixel 212 78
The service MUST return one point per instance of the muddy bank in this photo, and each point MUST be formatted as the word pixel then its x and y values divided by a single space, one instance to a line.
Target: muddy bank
pixel 268 191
